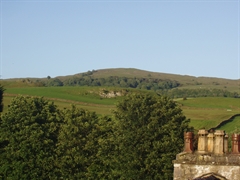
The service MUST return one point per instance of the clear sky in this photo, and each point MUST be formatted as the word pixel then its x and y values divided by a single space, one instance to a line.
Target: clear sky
pixel 41 38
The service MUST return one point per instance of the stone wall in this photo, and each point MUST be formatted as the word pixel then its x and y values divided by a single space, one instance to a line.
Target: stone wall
pixel 193 171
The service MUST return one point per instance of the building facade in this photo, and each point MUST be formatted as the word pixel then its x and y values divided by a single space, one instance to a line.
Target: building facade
pixel 212 159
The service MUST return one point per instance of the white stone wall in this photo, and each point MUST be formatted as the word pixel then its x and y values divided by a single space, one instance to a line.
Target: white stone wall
pixel 184 171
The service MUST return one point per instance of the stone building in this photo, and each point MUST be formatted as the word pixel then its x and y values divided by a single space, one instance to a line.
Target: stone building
pixel 212 159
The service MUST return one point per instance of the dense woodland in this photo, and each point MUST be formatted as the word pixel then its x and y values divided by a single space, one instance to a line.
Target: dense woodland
pixel 139 140
pixel 140 83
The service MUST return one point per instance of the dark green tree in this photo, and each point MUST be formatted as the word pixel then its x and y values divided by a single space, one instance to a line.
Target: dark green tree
pixel 1 97
pixel 3 142
pixel 85 145
pixel 30 130
pixel 78 144
pixel 55 82
pixel 148 135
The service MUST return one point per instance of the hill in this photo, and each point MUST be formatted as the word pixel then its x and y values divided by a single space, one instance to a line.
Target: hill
pixel 203 111
pixel 121 75
pixel 184 80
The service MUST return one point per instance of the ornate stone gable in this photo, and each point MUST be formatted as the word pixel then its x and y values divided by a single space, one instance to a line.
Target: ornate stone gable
pixel 210 176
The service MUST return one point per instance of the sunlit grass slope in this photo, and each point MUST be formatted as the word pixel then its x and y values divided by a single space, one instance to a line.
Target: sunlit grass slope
pixel 81 94
pixel 232 126
pixel 85 97
pixel 205 112
pixel 208 112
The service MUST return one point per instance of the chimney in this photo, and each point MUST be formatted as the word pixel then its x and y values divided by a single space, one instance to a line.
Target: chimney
pixel 202 141
pixel 226 143
pixel 188 142
pixel 235 143
pixel 210 143
pixel 219 141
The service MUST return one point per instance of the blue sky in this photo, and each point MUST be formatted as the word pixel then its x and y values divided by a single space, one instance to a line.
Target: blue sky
pixel 57 38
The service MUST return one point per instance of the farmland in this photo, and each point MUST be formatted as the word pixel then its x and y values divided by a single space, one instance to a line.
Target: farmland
pixel 204 112
pixel 208 112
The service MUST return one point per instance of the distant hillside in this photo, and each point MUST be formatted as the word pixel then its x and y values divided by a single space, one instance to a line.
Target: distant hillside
pixel 135 78
pixel 184 80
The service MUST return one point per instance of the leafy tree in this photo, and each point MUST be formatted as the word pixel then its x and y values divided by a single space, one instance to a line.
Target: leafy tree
pixel 85 145
pixel 55 82
pixel 3 142
pixel 148 135
pixel 78 144
pixel 30 130
pixel 132 83
pixel 123 83
pixel 88 80
pixel 104 166
pixel 1 97
pixel 39 83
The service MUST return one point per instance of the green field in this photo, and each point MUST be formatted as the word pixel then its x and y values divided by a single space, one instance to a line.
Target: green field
pixel 205 112
pixel 63 97
pixel 233 126
pixel 208 112
pixel 78 94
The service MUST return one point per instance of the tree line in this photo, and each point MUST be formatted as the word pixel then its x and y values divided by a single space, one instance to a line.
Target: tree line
pixel 140 83
pixel 139 140
pixel 184 93
pixel 165 87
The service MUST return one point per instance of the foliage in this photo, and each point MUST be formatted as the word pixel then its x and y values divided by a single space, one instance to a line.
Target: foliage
pixel 54 82
pixel 77 147
pixel 161 86
pixel 181 93
pixel 30 131
pixel 141 83
pixel 149 133
pixel 39 141
pixel 1 97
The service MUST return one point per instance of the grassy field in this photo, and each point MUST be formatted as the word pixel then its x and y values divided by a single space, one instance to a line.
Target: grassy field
pixel 208 112
pixel 203 112
pixel 233 126
pixel 62 103
pixel 63 97
pixel 81 94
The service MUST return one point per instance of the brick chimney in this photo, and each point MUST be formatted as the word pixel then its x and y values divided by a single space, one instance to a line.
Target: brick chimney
pixel 235 144
pixel 188 142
